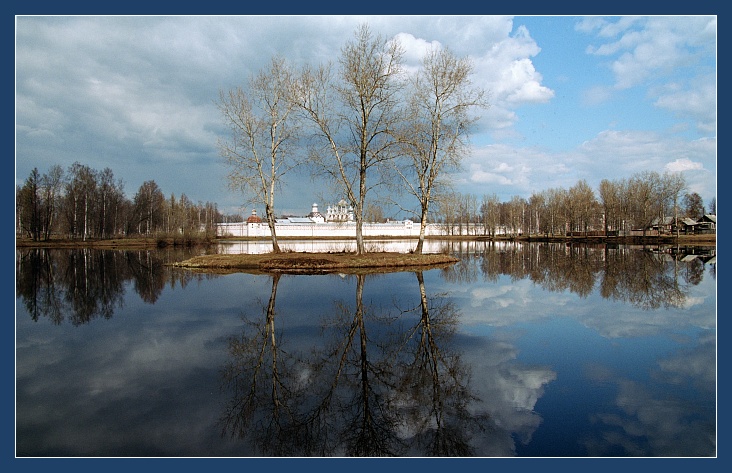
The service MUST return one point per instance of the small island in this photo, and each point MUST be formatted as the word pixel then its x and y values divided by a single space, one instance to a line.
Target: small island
pixel 317 263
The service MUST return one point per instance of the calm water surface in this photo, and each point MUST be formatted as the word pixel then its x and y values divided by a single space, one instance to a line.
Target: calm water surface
pixel 529 350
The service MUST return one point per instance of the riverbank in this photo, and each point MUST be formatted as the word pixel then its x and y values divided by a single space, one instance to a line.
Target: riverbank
pixel 157 242
pixel 317 263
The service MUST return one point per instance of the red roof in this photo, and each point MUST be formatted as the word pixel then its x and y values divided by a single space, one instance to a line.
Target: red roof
pixel 253 218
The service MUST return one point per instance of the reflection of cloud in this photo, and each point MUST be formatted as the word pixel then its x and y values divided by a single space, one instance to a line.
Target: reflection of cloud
pixel 692 366
pixel 632 322
pixel 506 304
pixel 662 420
pixel 507 389
pixel 647 425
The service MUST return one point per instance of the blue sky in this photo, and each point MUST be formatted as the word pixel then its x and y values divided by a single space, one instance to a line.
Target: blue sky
pixel 571 97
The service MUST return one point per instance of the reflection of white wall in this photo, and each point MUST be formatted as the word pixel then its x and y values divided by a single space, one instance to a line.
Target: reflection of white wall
pixel 325 246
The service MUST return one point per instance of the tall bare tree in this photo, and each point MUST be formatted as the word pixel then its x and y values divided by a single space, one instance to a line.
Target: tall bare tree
pixel 609 193
pixel 259 152
pixel 693 205
pixel 673 184
pixel 80 190
pixel 354 114
pixel 643 193
pixel 435 135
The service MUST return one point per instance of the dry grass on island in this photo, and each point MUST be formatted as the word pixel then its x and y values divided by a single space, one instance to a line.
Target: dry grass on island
pixel 317 263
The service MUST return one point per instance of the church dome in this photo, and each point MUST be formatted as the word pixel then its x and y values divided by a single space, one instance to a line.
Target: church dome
pixel 315 214
pixel 254 218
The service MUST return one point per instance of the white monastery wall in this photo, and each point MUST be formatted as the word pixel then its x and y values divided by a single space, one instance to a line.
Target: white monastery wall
pixel 337 223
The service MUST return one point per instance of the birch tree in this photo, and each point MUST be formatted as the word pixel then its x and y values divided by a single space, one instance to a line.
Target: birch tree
pixel 263 131
pixel 354 114
pixel 435 137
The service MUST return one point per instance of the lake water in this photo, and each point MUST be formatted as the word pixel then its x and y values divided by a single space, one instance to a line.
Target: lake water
pixel 517 350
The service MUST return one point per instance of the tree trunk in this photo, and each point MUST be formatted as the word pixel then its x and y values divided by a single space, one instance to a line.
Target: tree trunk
pixel 422 228
pixel 273 233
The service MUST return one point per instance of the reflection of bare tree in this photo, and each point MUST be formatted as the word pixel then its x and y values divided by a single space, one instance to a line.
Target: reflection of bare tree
pixel 434 383
pixel 36 284
pixel 370 388
pixel 362 381
pixel 148 275
pixel 464 271
pixel 342 408
pixel 264 390
pixel 80 285
pixel 644 278
pixel 694 271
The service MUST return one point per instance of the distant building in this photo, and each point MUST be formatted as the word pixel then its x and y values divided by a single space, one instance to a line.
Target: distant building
pixel 316 216
pixel 254 218
pixel 341 212
pixel 338 222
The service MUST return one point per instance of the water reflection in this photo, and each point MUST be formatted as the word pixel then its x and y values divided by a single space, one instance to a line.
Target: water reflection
pixel 80 285
pixel 441 362
pixel 648 278
pixel 378 382
pixel 84 284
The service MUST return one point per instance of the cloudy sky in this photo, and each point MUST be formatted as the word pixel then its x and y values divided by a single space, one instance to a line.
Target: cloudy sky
pixel 570 97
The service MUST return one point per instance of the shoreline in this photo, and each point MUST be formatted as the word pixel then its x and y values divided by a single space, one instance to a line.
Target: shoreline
pixel 152 242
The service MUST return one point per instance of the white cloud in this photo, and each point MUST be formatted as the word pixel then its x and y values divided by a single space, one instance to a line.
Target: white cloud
pixel 683 164
pixel 596 95
pixel 652 46
pixel 697 99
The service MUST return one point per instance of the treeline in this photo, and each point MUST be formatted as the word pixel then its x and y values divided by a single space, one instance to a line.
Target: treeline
pixel 84 203
pixel 634 203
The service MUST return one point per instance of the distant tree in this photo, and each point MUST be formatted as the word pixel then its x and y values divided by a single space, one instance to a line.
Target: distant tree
pixel 672 185
pixel 110 194
pixel 52 184
pixel 354 115
pixel 537 203
pixel 693 205
pixel 609 193
pixel 644 189
pixel 149 205
pixel 582 206
pixel 374 213
pixel 79 199
pixel 713 206
pixel 264 129
pixel 489 211
pixel 556 219
pixel 29 205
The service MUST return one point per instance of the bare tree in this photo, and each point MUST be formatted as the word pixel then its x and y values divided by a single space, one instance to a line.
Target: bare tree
pixel 673 184
pixel 643 193
pixel 490 214
pixel 52 183
pixel 610 202
pixel 354 116
pixel 263 129
pixel 582 205
pixel 693 205
pixel 80 190
pixel 148 204
pixel 537 203
pixel 435 134
pixel 29 205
